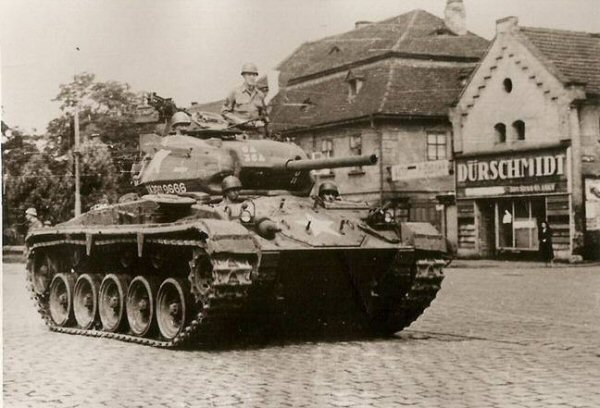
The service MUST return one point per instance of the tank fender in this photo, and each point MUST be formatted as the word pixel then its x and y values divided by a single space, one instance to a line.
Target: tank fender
pixel 228 237
pixel 423 236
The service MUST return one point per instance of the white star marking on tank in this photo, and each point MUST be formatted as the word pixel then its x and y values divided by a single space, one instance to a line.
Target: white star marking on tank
pixel 317 225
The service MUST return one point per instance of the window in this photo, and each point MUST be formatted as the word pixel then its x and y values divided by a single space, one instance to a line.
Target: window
pixel 355 84
pixel 500 132
pixel 436 146
pixel 508 85
pixel 334 50
pixel 306 105
pixel 326 151
pixel 356 150
pixel 327 147
pixel 519 129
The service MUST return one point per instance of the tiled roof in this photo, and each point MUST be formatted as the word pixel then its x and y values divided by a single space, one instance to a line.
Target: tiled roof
pixel 416 33
pixel 390 87
pixel 576 55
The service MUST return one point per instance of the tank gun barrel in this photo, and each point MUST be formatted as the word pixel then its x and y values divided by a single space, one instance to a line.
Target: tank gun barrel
pixel 329 163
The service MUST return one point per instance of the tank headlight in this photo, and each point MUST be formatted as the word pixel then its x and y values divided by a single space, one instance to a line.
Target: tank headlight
pixel 245 216
pixel 387 217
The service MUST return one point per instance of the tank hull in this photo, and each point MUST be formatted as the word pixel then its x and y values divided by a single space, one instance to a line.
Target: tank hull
pixel 207 281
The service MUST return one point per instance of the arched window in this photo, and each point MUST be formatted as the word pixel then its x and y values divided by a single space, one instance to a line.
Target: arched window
pixel 519 129
pixel 500 132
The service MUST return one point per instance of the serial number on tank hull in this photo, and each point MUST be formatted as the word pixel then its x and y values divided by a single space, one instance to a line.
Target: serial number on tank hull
pixel 174 188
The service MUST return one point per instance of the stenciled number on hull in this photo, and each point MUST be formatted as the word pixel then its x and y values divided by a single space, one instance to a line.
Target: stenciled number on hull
pixel 174 188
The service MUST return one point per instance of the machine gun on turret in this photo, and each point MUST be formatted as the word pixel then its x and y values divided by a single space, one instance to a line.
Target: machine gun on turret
pixel 164 106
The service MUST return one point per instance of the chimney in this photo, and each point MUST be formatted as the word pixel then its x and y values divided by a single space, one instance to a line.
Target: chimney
pixel 506 24
pixel 361 24
pixel 455 17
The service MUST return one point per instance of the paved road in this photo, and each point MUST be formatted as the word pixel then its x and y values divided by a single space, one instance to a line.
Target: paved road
pixel 494 337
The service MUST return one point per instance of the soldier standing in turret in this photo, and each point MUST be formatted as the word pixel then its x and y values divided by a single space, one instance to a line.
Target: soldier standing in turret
pixel 231 186
pixel 246 102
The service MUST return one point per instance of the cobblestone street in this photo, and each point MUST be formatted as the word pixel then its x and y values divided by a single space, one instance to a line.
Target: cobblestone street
pixel 494 337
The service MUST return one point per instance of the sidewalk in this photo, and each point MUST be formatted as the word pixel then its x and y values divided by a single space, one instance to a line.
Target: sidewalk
pixel 495 263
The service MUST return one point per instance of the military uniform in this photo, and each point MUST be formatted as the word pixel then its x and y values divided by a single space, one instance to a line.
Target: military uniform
pixel 245 103
pixel 33 222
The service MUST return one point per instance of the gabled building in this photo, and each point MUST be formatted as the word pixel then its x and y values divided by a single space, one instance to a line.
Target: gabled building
pixel 384 88
pixel 527 144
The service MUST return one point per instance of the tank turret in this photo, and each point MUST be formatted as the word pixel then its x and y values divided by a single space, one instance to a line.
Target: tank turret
pixel 184 164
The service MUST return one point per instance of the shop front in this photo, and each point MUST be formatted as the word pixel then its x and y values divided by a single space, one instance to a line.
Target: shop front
pixel 502 200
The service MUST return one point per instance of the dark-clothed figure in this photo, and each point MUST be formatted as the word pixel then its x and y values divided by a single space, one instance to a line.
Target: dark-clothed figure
pixel 246 102
pixel 545 238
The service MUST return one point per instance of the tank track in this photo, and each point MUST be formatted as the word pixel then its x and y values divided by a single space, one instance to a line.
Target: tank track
pixel 223 304
pixel 426 276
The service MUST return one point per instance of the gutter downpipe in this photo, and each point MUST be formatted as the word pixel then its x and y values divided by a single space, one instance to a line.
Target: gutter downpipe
pixel 380 134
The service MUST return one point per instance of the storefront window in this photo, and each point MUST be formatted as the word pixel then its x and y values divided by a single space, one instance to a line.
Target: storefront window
pixel 518 221
pixel 521 224
pixel 505 213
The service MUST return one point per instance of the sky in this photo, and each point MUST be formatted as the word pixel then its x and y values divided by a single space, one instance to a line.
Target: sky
pixel 193 50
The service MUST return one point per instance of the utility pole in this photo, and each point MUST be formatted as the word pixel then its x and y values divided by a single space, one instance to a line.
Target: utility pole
pixel 77 154
pixel 76 151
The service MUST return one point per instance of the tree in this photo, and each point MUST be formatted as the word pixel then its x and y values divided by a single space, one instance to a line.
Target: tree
pixel 106 110
pixel 48 185
pixel 40 173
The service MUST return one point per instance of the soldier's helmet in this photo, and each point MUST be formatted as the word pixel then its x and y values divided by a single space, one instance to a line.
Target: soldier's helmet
pixel 328 188
pixel 231 182
pixel 249 68
pixel 180 118
pixel 31 211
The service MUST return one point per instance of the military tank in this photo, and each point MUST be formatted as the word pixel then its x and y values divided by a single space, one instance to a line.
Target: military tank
pixel 182 266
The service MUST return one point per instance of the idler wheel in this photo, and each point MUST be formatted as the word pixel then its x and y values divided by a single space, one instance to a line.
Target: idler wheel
pixel 85 300
pixel 61 299
pixel 111 302
pixel 140 305
pixel 172 307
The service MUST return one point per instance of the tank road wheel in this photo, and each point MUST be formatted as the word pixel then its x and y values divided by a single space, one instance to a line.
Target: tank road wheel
pixel 85 300
pixel 140 305
pixel 172 307
pixel 61 299
pixel 111 302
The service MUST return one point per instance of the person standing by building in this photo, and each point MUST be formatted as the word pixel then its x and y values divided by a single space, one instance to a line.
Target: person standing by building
pixel 545 239
pixel 246 103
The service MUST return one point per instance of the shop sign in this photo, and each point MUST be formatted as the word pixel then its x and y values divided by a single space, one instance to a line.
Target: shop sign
pixel 427 169
pixel 517 189
pixel 510 168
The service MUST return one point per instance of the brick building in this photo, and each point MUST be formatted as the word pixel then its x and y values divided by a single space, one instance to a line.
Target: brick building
pixel 527 144
pixel 384 88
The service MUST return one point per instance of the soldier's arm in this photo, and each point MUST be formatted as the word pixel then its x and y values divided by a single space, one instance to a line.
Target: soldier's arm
pixel 262 109
pixel 229 104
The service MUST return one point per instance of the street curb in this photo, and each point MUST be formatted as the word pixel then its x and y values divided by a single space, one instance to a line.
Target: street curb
pixel 13 254
pixel 482 264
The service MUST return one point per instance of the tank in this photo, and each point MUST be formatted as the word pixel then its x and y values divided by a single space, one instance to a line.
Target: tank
pixel 181 266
